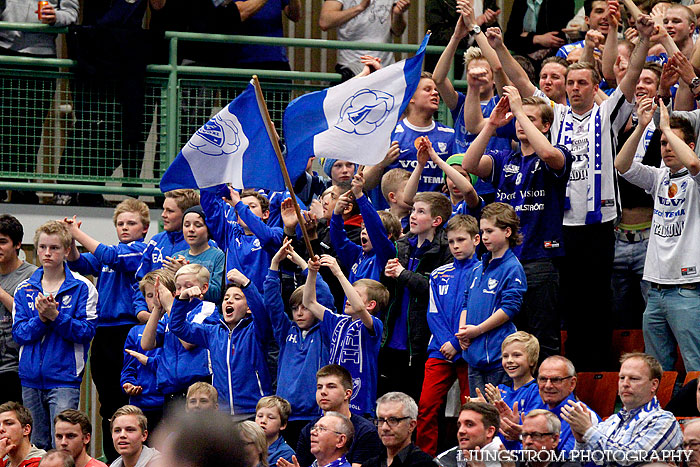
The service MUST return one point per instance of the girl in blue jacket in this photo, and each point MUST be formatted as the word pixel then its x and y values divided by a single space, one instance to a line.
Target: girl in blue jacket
pixel 493 297
pixel 236 344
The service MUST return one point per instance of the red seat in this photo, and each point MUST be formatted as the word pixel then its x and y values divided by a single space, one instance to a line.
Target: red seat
pixel 691 375
pixel 626 341
pixel 563 341
pixel 598 390
pixel 665 390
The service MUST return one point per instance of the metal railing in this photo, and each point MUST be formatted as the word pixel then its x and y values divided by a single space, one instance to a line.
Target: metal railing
pixel 63 134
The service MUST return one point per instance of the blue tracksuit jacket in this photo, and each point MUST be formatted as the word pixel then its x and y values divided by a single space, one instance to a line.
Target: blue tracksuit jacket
pixel 495 284
pixel 249 254
pixel 161 245
pixel 114 266
pixel 300 357
pixel 141 375
pixel 362 265
pixel 176 367
pixel 447 285
pixel 238 355
pixel 53 355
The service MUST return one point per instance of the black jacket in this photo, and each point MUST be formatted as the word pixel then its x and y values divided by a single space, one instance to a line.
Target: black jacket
pixel 553 16
pixel 418 284
pixel 410 456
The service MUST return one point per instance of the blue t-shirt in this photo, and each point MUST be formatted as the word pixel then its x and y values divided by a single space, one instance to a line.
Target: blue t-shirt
pixel 355 348
pixel 442 138
pixel 537 193
pixel 267 22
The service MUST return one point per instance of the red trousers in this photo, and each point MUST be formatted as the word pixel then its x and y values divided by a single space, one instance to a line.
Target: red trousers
pixel 440 375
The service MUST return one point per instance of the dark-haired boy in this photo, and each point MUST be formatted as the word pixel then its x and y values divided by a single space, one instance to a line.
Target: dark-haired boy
pixel 672 265
pixel 445 363
pixel 15 430
pixel 406 332
pixel 533 180
pixel 13 270
pixel 73 432
pixel 239 229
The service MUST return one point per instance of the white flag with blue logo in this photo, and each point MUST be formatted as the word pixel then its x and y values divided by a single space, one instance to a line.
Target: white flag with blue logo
pixel 354 120
pixel 232 147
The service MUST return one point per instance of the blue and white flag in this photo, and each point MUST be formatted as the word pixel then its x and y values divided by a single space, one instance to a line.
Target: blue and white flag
pixel 354 120
pixel 233 147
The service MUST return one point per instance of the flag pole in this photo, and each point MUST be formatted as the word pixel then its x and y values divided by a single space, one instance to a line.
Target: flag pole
pixel 274 139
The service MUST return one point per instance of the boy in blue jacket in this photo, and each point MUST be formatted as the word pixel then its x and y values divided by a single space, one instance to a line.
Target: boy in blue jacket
pixel 114 267
pixel 180 363
pixel 53 322
pixel 237 343
pixel 493 297
pixel 355 336
pixel 271 414
pixel 164 244
pixel 239 229
pixel 304 349
pixel 377 246
pixel 445 364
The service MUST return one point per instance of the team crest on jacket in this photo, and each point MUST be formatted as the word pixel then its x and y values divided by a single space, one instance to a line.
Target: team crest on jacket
pixel 442 146
pixel 356 385
pixel 66 299
pixel 492 283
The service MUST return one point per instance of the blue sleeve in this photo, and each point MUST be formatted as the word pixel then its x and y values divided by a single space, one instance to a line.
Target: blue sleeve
pixel 330 320
pixel 346 251
pixel 261 318
pixel 219 216
pixel 88 264
pixel 138 300
pixel 130 366
pixel 79 328
pixel 269 237
pixel 439 319
pixel 565 171
pixel 191 332
pixel 507 131
pixel 216 278
pixel 323 292
pixel 124 257
pixel 513 292
pixel 275 306
pixel 497 158
pixel 384 249
pixel 561 52
pixel 461 97
pixel 27 327
pixel 146 265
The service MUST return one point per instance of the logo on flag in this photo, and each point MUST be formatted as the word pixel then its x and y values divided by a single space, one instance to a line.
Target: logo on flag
pixel 365 111
pixel 220 136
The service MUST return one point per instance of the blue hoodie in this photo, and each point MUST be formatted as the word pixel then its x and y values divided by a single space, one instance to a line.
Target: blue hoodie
pixel 495 284
pixel 250 254
pixel 300 356
pixel 279 449
pixel 141 375
pixel 528 398
pixel 238 355
pixel 177 367
pixel 363 265
pixel 114 266
pixel 53 354
pixel 161 245
pixel 447 284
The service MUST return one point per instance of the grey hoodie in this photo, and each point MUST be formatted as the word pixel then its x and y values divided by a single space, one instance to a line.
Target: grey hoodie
pixel 23 11
pixel 147 456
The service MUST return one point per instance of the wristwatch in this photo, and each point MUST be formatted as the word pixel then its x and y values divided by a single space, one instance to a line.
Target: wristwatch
pixel 695 83
pixel 475 30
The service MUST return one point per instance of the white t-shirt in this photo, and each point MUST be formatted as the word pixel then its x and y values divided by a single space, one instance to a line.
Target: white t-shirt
pixel 576 132
pixel 673 254
pixel 372 25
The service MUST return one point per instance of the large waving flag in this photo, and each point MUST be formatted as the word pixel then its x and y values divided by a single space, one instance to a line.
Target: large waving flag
pixel 353 120
pixel 233 147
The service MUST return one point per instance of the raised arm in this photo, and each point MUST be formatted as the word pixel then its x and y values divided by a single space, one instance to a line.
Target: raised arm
pixel 461 182
pixel 684 153
pixel 443 84
pixel 473 161
pixel 625 157
pixel 353 297
pixel 411 188
pixel 510 66
pixel 628 84
pixel 373 174
pixel 610 49
pixel 309 295
pixel 333 14
pixel 398 19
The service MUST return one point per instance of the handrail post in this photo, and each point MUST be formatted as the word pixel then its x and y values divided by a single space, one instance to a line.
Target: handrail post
pixel 171 114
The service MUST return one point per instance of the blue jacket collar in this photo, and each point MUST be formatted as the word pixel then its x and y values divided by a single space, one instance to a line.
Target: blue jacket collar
pixel 486 258
pixel 69 283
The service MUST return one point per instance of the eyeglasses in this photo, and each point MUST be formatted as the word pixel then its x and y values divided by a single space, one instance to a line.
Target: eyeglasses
pixel 691 445
pixel 323 429
pixel 556 380
pixel 535 435
pixel 392 421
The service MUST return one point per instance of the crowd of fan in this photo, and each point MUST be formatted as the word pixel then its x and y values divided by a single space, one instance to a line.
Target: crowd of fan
pixel 457 258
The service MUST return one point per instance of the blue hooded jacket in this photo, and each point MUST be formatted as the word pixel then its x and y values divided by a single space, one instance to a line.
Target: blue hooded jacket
pixel 161 245
pixel 114 266
pixel 141 375
pixel 238 355
pixel 447 284
pixel 248 253
pixel 495 284
pixel 177 367
pixel 53 354
pixel 300 357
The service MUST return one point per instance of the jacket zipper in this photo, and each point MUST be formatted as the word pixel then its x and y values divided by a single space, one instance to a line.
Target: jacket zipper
pixel 228 367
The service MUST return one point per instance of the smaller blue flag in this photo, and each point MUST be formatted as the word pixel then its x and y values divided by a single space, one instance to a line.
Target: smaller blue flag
pixel 233 147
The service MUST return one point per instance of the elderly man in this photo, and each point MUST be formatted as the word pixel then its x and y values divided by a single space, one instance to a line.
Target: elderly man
pixel 477 427
pixel 691 442
pixel 396 419
pixel 540 433
pixel 331 438
pixel 641 425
